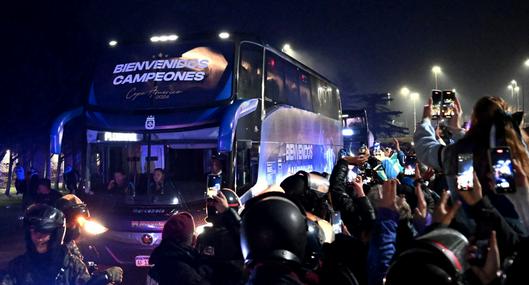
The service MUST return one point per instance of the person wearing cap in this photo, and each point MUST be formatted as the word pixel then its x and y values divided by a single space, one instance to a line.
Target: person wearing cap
pixel 175 260
pixel 47 261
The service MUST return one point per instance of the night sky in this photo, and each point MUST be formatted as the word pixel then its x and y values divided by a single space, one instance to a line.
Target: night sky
pixel 363 46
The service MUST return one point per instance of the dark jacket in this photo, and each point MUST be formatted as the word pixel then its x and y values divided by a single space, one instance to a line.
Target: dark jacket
pixel 220 245
pixel 177 263
pixel 58 268
pixel 277 274
pixel 357 213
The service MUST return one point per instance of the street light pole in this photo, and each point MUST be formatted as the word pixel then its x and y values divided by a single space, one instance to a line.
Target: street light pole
pixel 414 96
pixel 436 71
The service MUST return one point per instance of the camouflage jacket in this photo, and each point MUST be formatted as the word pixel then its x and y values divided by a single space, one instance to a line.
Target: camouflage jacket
pixel 21 271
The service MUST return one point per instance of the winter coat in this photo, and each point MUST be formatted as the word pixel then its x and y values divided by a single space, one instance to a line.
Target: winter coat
pixel 357 213
pixel 60 268
pixel 176 262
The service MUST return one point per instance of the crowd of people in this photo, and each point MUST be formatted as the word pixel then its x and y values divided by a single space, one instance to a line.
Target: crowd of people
pixel 385 215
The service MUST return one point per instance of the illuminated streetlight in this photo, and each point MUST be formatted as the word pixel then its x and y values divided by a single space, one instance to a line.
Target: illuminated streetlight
pixel 436 69
pixel 526 63
pixel 287 49
pixel 112 43
pixel 224 35
pixel 404 91
pixel 515 91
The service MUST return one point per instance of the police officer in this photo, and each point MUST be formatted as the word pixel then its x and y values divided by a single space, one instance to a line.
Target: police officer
pixel 220 243
pixel 76 214
pixel 47 261
pixel 273 239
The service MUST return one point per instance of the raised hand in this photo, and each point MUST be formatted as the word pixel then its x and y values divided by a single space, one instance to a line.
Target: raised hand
pixel 489 271
pixel 422 210
pixel 473 196
pixel 442 214
pixel 389 195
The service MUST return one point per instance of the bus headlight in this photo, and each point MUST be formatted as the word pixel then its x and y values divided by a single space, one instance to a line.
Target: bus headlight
pixel 92 227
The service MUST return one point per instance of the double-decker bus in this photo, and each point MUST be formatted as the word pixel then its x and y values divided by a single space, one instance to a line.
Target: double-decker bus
pixel 176 105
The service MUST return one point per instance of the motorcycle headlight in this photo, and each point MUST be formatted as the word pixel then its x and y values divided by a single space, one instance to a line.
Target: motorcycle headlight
pixel 92 227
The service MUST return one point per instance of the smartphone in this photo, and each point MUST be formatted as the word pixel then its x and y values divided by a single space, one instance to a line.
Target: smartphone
pixel 214 184
pixel 501 162
pixel 437 96
pixel 465 172
pixel 351 175
pixel 480 256
pixel 447 106
pixel 409 165
pixel 337 222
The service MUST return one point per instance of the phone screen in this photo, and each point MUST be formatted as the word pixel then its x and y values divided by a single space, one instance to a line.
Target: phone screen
pixel 465 172
pixel 409 165
pixel 337 222
pixel 436 103
pixel 351 175
pixel 447 107
pixel 501 163
pixel 214 184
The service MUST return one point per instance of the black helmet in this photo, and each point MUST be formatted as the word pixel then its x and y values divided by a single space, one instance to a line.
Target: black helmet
pixel 45 219
pixel 233 199
pixel 437 258
pixel 273 228
pixel 73 208
pixel 308 189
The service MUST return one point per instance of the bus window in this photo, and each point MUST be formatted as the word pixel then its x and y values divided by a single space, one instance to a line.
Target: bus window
pixel 274 87
pixel 250 71
pixel 247 165
pixel 324 99
pixel 304 92
pixel 292 85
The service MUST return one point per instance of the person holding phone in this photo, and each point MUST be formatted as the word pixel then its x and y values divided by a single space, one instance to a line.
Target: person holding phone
pixel 492 125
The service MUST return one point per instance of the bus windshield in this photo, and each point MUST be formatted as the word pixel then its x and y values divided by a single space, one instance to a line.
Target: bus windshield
pixel 171 175
pixel 162 76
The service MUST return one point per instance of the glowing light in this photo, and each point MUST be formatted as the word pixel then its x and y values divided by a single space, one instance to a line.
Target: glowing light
pixel 224 35
pixel 436 69
pixel 347 132
pixel 112 43
pixel 120 137
pixel 404 91
pixel 200 229
pixel 92 227
pixel 175 200
pixel 287 49
pixel 526 63
pixel 164 38
pixel 516 88
pixel 513 82
pixel 414 96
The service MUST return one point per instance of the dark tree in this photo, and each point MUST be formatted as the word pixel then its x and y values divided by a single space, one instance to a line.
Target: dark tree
pixel 379 116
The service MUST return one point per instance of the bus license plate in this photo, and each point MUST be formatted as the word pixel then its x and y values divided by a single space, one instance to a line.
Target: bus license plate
pixel 142 261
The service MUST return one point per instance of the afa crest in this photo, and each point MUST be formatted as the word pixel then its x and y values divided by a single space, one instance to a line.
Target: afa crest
pixel 150 123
